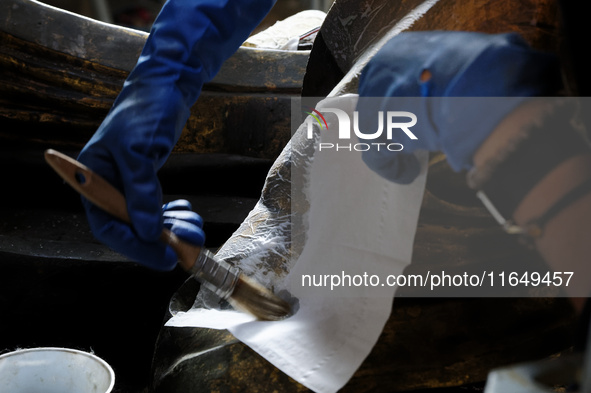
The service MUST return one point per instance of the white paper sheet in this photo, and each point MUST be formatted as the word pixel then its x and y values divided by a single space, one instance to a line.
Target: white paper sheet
pixel 358 223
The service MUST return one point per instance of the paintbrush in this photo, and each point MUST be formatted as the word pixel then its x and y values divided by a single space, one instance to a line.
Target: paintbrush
pixel 226 280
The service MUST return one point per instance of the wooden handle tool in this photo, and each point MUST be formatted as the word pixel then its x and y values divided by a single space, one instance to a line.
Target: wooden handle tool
pixel 102 194
pixel 219 276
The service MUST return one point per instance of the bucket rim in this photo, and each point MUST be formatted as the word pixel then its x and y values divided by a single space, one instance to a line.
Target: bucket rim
pixel 94 357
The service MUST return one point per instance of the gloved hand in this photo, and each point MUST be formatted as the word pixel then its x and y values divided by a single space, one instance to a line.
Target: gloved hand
pixel 414 67
pixel 187 45
pixel 177 216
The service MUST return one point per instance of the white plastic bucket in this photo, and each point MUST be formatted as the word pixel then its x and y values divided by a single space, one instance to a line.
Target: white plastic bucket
pixel 54 370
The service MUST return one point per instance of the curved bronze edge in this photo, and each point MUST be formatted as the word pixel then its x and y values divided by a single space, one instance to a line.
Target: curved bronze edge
pixel 63 31
pixel 251 69
pixel 119 47
pixel 60 73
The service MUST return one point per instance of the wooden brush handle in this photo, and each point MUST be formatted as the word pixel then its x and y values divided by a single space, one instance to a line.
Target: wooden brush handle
pixel 102 194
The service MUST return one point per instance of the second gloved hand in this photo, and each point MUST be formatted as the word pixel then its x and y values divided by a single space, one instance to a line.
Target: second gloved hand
pixel 436 75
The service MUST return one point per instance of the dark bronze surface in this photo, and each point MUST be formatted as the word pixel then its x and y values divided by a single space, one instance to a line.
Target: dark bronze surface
pixel 427 342
pixel 60 73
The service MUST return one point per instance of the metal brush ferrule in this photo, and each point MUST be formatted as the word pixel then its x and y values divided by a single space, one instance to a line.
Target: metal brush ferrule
pixel 214 274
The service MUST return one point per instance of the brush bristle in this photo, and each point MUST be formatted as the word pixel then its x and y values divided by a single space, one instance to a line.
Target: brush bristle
pixel 253 298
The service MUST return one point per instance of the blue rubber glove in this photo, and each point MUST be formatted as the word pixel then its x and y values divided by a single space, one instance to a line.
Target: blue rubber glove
pixel 180 218
pixel 177 216
pixel 189 41
pixel 458 64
